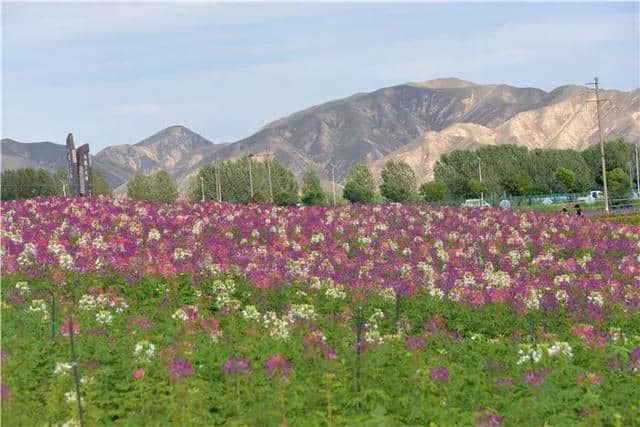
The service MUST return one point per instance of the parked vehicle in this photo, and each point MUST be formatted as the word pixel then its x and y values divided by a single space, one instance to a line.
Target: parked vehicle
pixel 591 198
pixel 476 203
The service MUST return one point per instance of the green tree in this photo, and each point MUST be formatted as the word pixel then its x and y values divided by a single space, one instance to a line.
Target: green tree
pixel 477 187
pixel 566 179
pixel 140 187
pixel 518 184
pixel 398 182
pixel 360 186
pixel 618 184
pixel 27 183
pixel 165 189
pixel 100 185
pixel 235 183
pixel 312 193
pixel 433 191
pixel 617 153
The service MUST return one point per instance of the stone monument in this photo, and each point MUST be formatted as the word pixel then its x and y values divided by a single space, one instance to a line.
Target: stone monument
pixel 80 171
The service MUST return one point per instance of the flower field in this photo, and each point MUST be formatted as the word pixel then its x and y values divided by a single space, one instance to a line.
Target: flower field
pixel 128 313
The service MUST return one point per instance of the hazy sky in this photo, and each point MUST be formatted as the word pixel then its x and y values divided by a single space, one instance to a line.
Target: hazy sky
pixel 115 73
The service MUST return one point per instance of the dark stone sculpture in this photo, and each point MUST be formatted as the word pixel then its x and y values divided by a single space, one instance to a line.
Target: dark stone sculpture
pixel 80 171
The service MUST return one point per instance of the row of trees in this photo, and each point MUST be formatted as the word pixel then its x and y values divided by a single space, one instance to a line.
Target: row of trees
pixel 517 171
pixel 26 183
pixel 159 187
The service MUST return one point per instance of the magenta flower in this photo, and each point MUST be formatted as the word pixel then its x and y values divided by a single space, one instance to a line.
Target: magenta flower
pixel 5 392
pixel 416 343
pixel 635 354
pixel 237 364
pixel 180 368
pixel 278 365
pixel 4 355
pixel 489 420
pixel 535 378
pixel 64 329
pixel 439 374
pixel 330 353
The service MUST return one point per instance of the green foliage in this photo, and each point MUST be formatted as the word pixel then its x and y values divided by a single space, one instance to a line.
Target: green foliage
pixel 617 153
pixel 478 345
pixel 360 186
pixel 140 187
pixel 433 191
pixel 165 189
pixel 514 170
pixel 398 182
pixel 28 182
pixel 518 184
pixel 312 193
pixel 618 183
pixel 236 184
pixel 100 185
pixel 476 188
pixel 159 187
pixel 565 179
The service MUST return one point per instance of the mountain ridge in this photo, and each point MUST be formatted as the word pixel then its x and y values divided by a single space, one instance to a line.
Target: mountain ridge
pixel 409 121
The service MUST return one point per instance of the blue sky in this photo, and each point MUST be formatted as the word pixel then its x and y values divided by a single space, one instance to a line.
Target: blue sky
pixel 115 73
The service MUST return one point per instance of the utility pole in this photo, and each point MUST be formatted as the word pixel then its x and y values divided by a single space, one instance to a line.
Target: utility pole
pixel 269 175
pixel 637 169
pixel 250 175
pixel 202 187
pixel 333 182
pixel 216 171
pixel 602 160
pixel 480 173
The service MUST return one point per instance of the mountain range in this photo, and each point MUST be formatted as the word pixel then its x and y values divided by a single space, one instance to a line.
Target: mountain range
pixel 417 122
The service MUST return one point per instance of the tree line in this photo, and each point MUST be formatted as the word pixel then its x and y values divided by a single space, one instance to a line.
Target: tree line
pixel 507 170
pixel 26 183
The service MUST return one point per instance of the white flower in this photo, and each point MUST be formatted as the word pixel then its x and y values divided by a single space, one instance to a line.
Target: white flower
pixel 250 312
pixel 104 317
pixel 153 235
pixel 596 298
pixel 180 314
pixel 561 348
pixel 62 368
pixel 144 351
pixel 23 288
pixel 180 254
pixel 40 306
pixel 87 302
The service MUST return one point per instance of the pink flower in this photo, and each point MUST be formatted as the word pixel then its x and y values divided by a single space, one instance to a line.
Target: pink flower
pixel 179 369
pixel 64 330
pixel 5 392
pixel 237 364
pixel 489 420
pixel 439 374
pixel 138 374
pixel 416 343
pixel 210 325
pixel 278 364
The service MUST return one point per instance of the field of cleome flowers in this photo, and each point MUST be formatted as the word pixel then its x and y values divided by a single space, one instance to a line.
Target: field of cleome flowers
pixel 128 313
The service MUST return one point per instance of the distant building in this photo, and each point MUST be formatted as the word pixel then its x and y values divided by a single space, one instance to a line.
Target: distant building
pixel 80 170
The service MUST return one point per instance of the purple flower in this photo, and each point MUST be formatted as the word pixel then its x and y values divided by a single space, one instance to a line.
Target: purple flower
pixel 489 420
pixel 278 364
pixel 4 355
pixel 5 392
pixel 440 374
pixel 535 378
pixel 236 364
pixel 416 343
pixel 635 354
pixel 505 382
pixel 180 368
